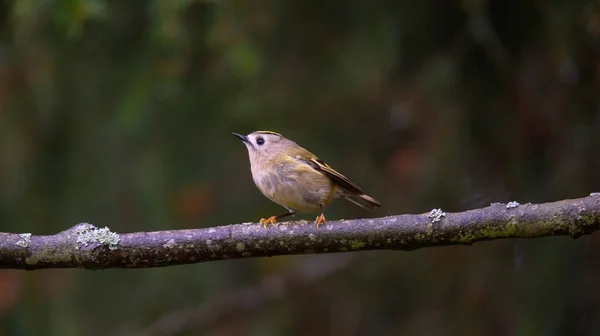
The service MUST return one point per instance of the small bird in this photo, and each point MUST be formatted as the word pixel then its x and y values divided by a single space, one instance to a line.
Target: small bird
pixel 296 179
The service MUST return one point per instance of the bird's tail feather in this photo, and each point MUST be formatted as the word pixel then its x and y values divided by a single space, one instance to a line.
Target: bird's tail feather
pixel 363 201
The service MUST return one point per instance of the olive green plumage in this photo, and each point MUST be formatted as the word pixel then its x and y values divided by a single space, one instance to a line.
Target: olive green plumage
pixel 296 179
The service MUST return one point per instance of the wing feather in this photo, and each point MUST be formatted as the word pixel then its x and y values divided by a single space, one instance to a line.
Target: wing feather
pixel 351 191
pixel 322 167
pixel 337 177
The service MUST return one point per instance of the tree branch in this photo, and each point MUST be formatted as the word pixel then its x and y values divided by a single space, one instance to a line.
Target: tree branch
pixel 84 246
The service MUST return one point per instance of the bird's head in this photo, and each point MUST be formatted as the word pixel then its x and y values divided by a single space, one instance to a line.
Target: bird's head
pixel 266 145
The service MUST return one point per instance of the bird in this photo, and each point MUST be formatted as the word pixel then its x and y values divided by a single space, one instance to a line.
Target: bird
pixel 296 179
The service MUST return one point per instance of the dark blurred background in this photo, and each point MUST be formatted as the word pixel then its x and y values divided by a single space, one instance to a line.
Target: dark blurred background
pixel 119 113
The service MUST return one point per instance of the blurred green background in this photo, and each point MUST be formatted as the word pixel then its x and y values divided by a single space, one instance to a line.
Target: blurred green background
pixel 119 113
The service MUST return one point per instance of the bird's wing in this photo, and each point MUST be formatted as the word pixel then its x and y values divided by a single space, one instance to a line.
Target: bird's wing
pixel 351 191
pixel 322 167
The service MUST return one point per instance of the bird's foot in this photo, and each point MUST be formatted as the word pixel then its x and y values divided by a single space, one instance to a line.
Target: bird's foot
pixel 320 220
pixel 266 221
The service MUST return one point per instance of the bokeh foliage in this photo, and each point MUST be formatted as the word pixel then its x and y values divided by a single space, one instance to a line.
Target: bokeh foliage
pixel 118 113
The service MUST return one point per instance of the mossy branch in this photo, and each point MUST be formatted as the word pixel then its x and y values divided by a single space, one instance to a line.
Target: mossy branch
pixel 85 246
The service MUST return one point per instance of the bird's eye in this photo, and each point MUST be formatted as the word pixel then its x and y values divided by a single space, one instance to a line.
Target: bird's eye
pixel 260 141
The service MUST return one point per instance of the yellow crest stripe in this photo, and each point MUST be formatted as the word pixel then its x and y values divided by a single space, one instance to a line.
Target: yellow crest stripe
pixel 268 132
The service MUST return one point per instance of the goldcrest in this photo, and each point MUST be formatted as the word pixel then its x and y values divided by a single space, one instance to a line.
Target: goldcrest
pixel 296 179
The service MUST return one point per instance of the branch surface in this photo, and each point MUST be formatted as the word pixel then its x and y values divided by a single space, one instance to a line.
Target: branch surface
pixel 85 246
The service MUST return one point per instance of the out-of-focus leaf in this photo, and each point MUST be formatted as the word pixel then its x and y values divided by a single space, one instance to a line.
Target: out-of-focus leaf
pixel 72 15
pixel 244 59
pixel 132 110
pixel 10 288
pixel 192 202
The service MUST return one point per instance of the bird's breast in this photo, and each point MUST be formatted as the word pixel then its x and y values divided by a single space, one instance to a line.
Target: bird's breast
pixel 294 187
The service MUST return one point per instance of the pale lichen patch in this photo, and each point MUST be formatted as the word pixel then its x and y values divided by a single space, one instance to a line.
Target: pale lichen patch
pixel 25 240
pixel 436 215
pixel 240 247
pixel 170 243
pixel 512 204
pixel 89 234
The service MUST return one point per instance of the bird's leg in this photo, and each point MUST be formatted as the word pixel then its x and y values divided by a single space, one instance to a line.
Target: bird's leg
pixel 273 219
pixel 321 218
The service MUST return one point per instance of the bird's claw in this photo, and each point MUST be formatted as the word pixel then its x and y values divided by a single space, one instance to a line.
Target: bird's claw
pixel 320 220
pixel 266 221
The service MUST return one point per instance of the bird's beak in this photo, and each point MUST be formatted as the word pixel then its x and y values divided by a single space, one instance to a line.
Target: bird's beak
pixel 242 137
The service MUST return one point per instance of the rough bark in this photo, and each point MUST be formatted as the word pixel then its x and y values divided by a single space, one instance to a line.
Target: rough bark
pixel 84 246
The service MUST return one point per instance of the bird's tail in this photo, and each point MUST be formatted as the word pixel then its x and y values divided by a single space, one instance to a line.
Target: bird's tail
pixel 363 201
